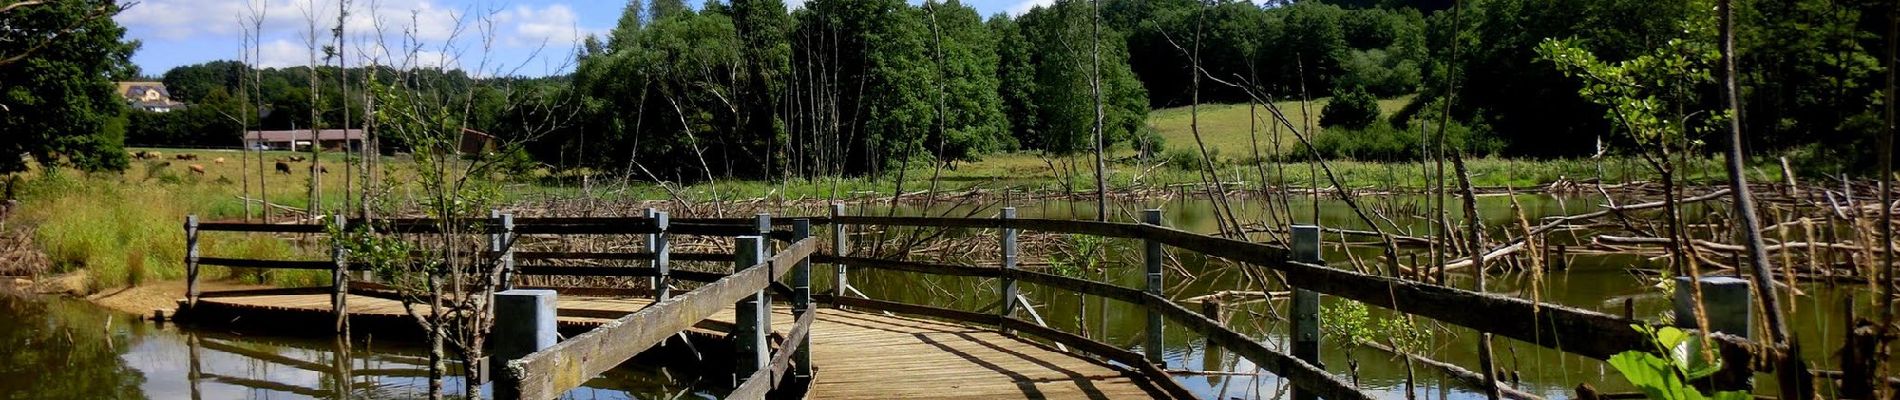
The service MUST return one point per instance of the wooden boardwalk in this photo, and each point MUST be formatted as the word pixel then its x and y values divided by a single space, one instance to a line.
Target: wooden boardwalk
pixel 857 355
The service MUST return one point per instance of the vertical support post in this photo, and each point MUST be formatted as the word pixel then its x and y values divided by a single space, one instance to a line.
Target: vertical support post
pixel 505 248
pixel 1153 258
pixel 764 221
pixel 801 302
pixel 524 324
pixel 749 325
pixel 1009 263
pixel 1562 260
pixel 339 278
pixel 839 247
pixel 662 255
pixel 191 261
pixel 1305 305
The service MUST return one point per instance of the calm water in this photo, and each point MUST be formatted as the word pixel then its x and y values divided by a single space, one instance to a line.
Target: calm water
pixel 58 348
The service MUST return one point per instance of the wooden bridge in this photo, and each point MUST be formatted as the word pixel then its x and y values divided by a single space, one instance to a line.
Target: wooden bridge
pixel 869 348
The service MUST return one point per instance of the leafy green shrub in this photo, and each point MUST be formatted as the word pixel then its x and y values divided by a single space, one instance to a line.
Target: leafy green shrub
pixel 1667 376
pixel 1189 159
pixel 1351 108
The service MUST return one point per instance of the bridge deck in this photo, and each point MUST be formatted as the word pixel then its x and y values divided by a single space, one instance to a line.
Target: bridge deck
pixel 858 355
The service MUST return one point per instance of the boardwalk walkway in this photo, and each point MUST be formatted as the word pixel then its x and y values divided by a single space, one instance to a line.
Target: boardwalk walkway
pixel 858 355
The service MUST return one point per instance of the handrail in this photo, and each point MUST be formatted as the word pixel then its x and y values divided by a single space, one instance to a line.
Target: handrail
pixel 554 370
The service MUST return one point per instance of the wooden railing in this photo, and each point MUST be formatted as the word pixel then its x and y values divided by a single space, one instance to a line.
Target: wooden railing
pixel 548 373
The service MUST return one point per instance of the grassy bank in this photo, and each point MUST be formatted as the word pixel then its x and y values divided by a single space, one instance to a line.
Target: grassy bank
pixel 126 229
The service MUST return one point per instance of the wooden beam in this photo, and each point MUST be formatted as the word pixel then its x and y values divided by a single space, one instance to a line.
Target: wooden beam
pixel 267 264
pixel 553 371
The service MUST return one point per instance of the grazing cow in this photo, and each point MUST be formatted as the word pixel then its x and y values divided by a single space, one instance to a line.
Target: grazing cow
pixel 283 168
pixel 320 169
pixel 198 169
pixel 296 158
pixel 219 160
pixel 186 156
pixel 151 155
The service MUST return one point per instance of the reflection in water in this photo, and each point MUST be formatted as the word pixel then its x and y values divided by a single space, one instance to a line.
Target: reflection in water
pixel 60 350
pixel 55 348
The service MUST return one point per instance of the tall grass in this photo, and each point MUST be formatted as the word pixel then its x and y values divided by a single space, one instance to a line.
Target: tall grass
pixel 127 229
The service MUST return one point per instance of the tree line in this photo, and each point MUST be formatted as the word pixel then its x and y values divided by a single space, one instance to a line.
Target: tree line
pixel 750 89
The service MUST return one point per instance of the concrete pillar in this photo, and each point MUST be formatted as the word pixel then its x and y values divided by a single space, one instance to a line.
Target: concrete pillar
pixel 524 324
pixel 1305 305
pixel 1727 300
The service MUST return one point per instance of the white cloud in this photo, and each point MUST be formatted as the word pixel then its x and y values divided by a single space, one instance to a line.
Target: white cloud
pixel 526 26
pixel 387 29
pixel 1025 5
pixel 283 53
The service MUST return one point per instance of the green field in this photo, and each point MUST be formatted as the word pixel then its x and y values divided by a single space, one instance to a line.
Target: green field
pixel 1225 127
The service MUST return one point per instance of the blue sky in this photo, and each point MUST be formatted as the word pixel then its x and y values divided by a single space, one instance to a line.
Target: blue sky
pixel 530 37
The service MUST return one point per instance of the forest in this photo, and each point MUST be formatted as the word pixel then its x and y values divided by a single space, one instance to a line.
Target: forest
pixel 751 90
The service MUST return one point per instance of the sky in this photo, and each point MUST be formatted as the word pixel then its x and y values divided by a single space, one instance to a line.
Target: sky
pixel 529 37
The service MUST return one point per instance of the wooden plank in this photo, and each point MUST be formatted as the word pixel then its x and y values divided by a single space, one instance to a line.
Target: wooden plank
pixel 271 228
pixel 1132 296
pixel 1159 377
pixel 553 371
pixel 1106 229
pixel 267 264
pixel 910 266
pixel 1554 326
pixel 551 270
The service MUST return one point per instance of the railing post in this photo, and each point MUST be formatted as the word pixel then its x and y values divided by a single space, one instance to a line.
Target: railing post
pixel 1009 263
pixel 339 276
pixel 764 221
pixel 1153 258
pixel 662 256
pixel 1305 304
pixel 524 324
pixel 750 325
pixel 838 248
pixel 505 245
pixel 801 302
pixel 191 261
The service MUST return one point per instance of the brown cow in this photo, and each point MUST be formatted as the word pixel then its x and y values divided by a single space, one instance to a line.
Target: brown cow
pixel 296 158
pixel 283 168
pixel 186 156
pixel 198 169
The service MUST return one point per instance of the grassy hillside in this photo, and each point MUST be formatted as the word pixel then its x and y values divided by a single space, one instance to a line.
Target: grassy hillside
pixel 1224 127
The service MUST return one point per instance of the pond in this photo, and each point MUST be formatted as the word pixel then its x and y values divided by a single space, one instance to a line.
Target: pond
pixel 57 348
